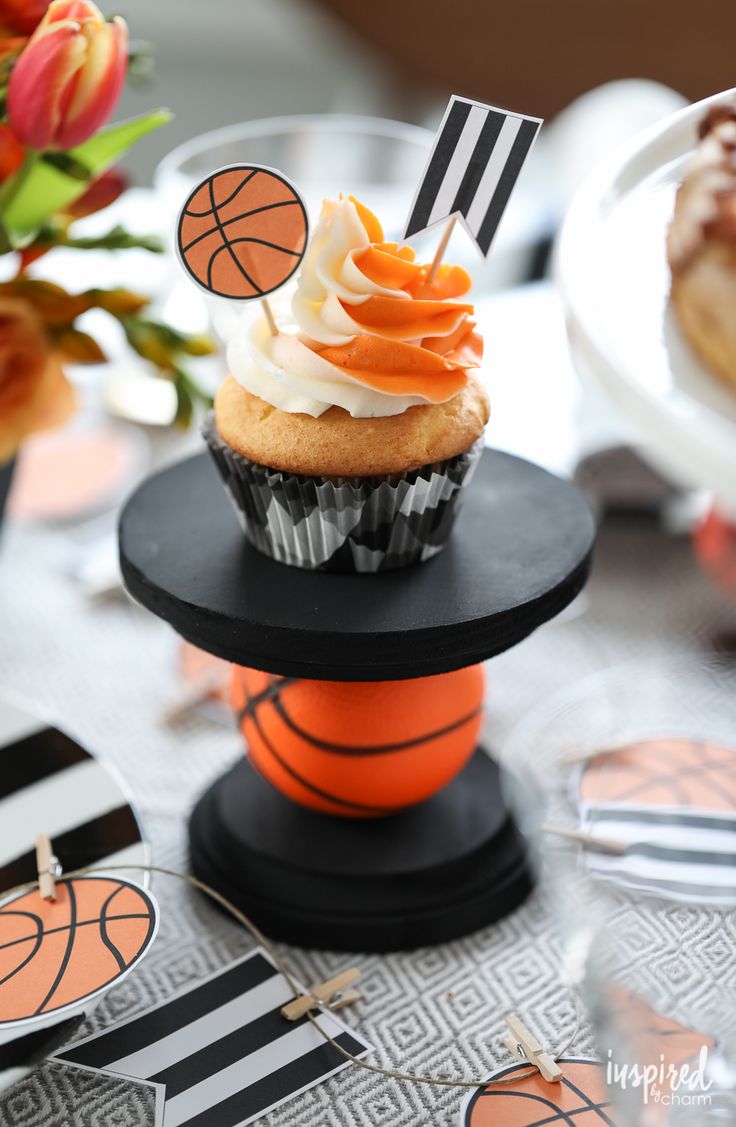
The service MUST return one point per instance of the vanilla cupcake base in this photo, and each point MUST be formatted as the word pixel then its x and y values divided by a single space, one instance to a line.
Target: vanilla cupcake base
pixel 340 524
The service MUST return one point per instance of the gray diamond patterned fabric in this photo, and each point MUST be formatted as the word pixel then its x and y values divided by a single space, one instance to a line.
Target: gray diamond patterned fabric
pixel 106 671
pixel 374 524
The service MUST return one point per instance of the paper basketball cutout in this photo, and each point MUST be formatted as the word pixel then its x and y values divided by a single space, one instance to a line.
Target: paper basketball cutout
pixel 359 748
pixel 55 954
pixel 581 1098
pixel 649 1033
pixel 666 772
pixel 242 232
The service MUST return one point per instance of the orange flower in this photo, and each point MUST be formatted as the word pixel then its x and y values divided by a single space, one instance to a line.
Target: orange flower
pixel 68 79
pixel 34 392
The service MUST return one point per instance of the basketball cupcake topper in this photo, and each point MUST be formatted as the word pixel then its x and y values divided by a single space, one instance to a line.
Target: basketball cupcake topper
pixel 57 954
pixel 242 233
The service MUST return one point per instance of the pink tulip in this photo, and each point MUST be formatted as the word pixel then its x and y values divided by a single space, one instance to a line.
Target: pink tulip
pixel 68 79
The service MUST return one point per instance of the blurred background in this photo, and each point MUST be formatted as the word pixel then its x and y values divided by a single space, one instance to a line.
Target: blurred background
pixel 231 60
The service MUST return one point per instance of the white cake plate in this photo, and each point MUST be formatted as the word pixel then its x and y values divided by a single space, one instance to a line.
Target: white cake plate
pixel 612 271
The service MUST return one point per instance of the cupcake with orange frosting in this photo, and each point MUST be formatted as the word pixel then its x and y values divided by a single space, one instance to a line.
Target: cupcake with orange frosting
pixel 345 440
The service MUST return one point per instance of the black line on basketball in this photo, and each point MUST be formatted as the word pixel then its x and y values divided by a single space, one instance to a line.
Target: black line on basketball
pixel 223 203
pixel 587 1100
pixel 560 1116
pixel 272 690
pixel 69 944
pixel 225 246
pixel 80 923
pixel 103 931
pixel 221 224
pixel 37 941
pixel 314 789
pixel 368 749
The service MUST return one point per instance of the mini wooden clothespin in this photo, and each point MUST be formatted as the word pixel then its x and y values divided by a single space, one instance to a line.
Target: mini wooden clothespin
pixel 48 867
pixel 522 1043
pixel 333 995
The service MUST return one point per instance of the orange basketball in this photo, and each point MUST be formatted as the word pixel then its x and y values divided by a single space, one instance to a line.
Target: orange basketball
pixel 581 1098
pixel 56 953
pixel 666 772
pixel 359 748
pixel 242 232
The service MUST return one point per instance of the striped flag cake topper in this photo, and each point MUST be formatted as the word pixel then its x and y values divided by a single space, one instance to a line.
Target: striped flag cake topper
pixel 475 162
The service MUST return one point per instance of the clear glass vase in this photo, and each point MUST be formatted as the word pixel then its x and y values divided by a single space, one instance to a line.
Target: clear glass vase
pixel 645 901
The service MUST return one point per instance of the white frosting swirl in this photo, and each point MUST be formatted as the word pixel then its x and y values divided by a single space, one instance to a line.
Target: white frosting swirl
pixel 284 370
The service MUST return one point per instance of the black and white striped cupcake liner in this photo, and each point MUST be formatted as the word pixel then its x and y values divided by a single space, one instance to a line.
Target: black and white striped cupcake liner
pixel 344 525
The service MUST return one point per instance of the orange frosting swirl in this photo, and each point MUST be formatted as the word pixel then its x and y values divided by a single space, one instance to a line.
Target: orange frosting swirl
pixel 366 331
pixel 418 340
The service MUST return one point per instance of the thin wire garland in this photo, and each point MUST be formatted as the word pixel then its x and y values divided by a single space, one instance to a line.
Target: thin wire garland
pixel 255 931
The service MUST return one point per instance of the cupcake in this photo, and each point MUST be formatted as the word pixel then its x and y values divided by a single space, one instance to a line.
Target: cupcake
pixel 346 439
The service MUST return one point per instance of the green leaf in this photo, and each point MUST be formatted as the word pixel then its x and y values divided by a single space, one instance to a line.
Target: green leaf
pixel 5 243
pixel 184 404
pixel 79 347
pixel 48 189
pixel 69 165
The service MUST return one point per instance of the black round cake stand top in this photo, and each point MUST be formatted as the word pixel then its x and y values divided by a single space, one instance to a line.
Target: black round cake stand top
pixel 519 553
pixel 437 871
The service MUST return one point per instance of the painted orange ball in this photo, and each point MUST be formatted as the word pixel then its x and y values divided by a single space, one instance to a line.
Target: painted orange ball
pixel 242 232
pixel 56 953
pixel 359 749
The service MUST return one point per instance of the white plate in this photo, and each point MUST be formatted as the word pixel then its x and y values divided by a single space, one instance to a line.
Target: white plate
pixel 612 271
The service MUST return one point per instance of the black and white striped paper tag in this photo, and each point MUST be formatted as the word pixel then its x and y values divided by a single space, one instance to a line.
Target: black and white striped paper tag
pixel 50 784
pixel 672 852
pixel 475 162
pixel 221 1051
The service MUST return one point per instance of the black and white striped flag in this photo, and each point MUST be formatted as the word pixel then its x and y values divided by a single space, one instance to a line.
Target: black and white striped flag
pixel 221 1054
pixel 472 169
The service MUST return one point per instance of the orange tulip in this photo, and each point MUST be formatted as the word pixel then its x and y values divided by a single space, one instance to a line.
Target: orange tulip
pixel 68 79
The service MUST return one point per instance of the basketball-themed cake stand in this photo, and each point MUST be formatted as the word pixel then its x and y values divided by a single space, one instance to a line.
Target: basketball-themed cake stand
pixel 308 859
pixel 364 816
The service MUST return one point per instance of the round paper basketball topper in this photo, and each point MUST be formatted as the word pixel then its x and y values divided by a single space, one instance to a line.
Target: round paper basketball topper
pixel 56 954
pixel 581 1098
pixel 666 772
pixel 242 232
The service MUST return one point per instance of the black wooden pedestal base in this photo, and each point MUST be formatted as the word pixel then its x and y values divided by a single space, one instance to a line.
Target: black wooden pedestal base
pixel 435 872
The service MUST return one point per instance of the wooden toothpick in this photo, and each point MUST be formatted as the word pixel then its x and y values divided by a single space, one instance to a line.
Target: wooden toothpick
pixel 270 317
pixel 439 254
pixel 585 838
pixel 47 866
